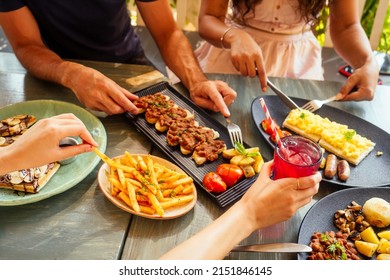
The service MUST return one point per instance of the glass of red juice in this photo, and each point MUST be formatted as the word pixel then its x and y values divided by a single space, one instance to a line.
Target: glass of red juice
pixel 298 157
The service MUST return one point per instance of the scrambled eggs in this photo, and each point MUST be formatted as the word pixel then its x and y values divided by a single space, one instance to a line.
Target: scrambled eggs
pixel 346 141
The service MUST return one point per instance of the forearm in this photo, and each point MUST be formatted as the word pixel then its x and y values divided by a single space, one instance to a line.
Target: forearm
pixel 353 46
pixel 41 62
pixel 348 36
pixel 217 239
pixel 212 16
pixel 47 65
pixel 212 29
pixel 186 67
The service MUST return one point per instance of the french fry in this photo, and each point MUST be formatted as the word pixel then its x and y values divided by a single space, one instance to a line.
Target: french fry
pixel 115 191
pixel 167 192
pixel 159 195
pixel 178 189
pixel 104 158
pixel 132 196
pixel 142 198
pixel 152 174
pixel 141 163
pixel 166 169
pixel 158 172
pixel 135 183
pixel 147 209
pixel 121 177
pixel 136 174
pixel 146 183
pixel 116 183
pixel 188 189
pixel 170 178
pixel 147 186
pixel 176 201
pixel 183 181
pixel 131 159
pixel 124 197
pixel 172 192
pixel 155 204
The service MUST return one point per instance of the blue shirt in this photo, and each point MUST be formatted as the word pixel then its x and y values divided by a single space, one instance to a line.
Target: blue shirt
pixel 84 29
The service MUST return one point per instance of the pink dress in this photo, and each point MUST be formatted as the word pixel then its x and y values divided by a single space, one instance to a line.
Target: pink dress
pixel 289 48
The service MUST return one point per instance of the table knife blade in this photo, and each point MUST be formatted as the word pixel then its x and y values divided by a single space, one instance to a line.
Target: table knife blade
pixel 274 248
pixel 286 100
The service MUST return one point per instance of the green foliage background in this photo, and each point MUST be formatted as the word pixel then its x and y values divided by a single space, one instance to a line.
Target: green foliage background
pixel 367 22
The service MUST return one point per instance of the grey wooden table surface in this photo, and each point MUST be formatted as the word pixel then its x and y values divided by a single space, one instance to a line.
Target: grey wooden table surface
pixel 82 224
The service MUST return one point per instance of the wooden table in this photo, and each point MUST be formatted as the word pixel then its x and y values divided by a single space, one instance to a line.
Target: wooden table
pixel 82 224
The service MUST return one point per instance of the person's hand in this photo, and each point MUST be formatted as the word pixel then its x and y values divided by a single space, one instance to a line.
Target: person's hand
pixel 98 92
pixel 361 84
pixel 268 202
pixel 213 95
pixel 247 56
pixel 39 145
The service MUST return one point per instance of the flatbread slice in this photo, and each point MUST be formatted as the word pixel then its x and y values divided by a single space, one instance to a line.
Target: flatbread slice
pixel 30 180
pixel 16 125
pixel 342 153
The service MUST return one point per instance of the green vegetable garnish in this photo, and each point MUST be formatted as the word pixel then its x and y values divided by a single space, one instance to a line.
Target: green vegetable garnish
pixel 332 248
pixel 349 134
pixel 302 116
pixel 324 237
pixel 241 149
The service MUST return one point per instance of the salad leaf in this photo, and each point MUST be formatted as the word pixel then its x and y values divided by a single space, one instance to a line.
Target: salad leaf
pixel 241 149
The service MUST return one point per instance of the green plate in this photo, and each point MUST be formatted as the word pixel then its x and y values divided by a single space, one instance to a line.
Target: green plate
pixel 68 175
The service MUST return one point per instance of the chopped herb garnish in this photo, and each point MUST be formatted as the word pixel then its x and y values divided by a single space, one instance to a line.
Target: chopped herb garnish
pixel 302 116
pixel 324 237
pixel 241 149
pixel 349 134
pixel 332 248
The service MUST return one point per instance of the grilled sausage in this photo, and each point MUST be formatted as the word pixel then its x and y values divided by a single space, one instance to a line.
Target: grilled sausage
pixel 331 166
pixel 343 170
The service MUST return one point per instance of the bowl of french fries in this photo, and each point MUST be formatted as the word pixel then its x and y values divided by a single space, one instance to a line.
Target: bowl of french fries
pixel 146 185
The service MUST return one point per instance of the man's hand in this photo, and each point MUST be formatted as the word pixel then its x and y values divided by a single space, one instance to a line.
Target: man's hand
pixel 213 95
pixel 98 92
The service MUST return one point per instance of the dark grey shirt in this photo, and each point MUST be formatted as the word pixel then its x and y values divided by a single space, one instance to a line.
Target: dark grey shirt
pixel 84 29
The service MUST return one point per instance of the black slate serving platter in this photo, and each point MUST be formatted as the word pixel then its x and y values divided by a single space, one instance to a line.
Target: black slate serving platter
pixel 320 215
pixel 186 163
pixel 373 171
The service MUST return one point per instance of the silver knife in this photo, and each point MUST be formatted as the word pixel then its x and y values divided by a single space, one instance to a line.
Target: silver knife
pixel 286 100
pixel 274 248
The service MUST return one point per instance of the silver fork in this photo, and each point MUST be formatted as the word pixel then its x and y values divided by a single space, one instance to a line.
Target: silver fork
pixel 234 132
pixel 314 105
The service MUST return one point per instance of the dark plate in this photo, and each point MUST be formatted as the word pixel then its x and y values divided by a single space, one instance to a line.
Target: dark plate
pixel 373 171
pixel 186 163
pixel 320 215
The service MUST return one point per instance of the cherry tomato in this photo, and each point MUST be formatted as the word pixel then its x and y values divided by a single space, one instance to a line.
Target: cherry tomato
pixel 230 173
pixel 266 125
pixel 214 183
pixel 281 134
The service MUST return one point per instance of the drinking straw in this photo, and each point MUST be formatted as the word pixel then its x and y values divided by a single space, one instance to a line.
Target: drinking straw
pixel 273 127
